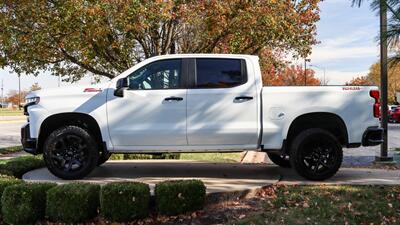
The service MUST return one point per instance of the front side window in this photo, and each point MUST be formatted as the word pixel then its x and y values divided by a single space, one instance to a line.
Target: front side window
pixel 165 74
pixel 219 73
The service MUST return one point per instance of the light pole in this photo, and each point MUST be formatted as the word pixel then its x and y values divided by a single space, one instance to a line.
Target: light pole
pixel 19 91
pixel 384 157
pixel 323 69
pixel 305 70
pixel 2 93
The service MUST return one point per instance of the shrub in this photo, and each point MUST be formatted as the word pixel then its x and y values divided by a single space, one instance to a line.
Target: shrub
pixel 72 203
pixel 180 196
pixel 167 156
pixel 6 181
pixel 20 165
pixel 116 157
pixel 136 156
pixel 124 201
pixel 24 203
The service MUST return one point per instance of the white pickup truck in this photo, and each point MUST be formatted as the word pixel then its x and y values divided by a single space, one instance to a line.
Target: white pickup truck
pixel 199 103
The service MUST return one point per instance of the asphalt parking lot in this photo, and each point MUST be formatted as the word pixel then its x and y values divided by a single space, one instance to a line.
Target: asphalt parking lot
pixel 10 133
pixel 366 155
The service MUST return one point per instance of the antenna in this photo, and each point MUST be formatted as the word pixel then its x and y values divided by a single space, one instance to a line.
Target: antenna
pixel 2 93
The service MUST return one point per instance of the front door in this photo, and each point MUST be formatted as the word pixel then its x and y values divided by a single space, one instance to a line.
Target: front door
pixel 152 112
pixel 222 105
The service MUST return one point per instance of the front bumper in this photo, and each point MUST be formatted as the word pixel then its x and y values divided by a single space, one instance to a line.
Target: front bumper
pixel 372 136
pixel 28 144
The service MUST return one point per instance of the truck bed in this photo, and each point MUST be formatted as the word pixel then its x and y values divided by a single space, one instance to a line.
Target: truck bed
pixel 282 105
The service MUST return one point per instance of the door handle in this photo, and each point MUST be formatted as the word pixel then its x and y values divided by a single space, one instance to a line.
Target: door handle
pixel 170 99
pixel 243 98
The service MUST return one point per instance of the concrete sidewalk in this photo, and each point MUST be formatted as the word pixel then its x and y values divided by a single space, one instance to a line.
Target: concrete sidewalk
pixel 217 177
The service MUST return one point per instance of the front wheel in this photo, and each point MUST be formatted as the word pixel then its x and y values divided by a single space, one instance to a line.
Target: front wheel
pixel 316 154
pixel 70 153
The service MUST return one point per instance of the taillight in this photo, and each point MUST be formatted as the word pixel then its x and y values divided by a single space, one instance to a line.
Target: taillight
pixel 375 94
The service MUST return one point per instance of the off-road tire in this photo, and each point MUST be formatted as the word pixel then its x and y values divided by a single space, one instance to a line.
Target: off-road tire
pixel 70 144
pixel 279 159
pixel 320 149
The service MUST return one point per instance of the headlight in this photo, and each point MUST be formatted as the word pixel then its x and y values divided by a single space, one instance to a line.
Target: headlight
pixel 32 100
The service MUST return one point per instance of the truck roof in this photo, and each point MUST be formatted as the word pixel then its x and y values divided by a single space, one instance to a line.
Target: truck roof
pixel 203 55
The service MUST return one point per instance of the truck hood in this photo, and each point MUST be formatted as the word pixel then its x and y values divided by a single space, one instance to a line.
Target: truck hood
pixel 82 98
pixel 68 90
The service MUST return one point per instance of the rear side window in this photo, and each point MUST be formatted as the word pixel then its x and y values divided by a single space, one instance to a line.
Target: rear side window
pixel 220 73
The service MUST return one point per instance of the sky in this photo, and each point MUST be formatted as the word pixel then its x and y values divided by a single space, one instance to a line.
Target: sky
pixel 348 41
pixel 347 47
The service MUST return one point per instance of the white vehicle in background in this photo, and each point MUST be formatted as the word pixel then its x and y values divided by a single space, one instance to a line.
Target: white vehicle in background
pixel 199 103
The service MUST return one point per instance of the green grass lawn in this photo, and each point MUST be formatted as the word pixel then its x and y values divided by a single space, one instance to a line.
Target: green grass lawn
pixel 213 157
pixel 8 150
pixel 330 205
pixel 11 112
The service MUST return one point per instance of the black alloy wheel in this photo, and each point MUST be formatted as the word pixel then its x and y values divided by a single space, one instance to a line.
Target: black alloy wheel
pixel 70 153
pixel 316 154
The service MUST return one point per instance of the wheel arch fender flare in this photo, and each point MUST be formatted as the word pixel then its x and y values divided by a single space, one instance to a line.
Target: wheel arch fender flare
pixel 58 120
pixel 329 121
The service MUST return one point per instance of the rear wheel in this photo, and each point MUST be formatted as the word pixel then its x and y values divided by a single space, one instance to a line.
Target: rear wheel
pixel 70 152
pixel 316 154
pixel 279 159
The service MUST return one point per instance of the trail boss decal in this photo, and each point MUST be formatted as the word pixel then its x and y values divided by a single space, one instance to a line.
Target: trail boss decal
pixel 351 88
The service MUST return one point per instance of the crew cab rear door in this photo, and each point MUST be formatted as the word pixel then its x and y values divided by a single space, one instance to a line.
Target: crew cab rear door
pixel 152 112
pixel 222 104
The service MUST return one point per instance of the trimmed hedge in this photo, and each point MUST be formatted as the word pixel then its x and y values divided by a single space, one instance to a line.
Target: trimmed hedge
pixel 18 166
pixel 24 203
pixel 6 181
pixel 179 196
pixel 124 201
pixel 72 203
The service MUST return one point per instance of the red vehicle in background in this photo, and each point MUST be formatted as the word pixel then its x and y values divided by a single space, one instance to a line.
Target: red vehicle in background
pixel 394 115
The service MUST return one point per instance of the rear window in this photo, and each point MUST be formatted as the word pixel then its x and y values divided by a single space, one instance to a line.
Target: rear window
pixel 220 73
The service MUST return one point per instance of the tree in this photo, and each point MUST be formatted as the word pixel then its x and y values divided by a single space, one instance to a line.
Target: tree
pixel 14 98
pixel 393 32
pixel 13 95
pixel 374 76
pixel 292 75
pixel 360 81
pixel 70 38
pixel 35 87
pixel 385 36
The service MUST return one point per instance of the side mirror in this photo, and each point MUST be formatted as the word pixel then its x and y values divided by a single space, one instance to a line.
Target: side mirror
pixel 122 84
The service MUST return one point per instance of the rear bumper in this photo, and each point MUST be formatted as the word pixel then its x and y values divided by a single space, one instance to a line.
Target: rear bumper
pixel 28 144
pixel 372 136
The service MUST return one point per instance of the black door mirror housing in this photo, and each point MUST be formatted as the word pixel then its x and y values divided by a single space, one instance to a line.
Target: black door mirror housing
pixel 122 84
